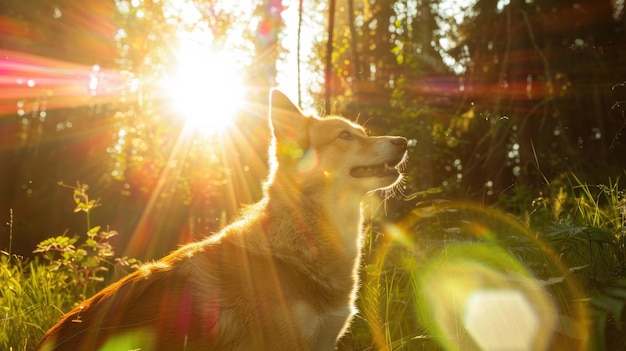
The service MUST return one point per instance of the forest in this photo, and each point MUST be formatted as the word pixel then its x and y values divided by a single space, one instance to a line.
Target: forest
pixel 131 127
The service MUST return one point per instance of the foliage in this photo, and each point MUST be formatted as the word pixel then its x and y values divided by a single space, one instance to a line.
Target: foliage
pixel 570 245
pixel 32 298
pixel 82 265
pixel 583 227
pixel 548 68
pixel 489 85
pixel 587 227
pixel 122 136
pixel 66 270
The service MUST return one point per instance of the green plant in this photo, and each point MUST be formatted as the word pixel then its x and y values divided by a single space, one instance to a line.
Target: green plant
pixel 85 265
pixel 388 317
pixel 31 300
pixel 608 313
pixel 35 293
pixel 437 236
pixel 586 226
pixel 588 229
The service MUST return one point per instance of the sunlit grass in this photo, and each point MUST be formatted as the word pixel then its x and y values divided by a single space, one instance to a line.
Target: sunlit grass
pixel 424 280
pixel 35 292
pixel 428 276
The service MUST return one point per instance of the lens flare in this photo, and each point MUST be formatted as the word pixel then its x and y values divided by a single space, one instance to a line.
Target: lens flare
pixel 470 286
pixel 488 320
pixel 206 88
pixel 482 298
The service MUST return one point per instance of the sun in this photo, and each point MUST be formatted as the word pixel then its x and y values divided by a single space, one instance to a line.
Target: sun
pixel 206 88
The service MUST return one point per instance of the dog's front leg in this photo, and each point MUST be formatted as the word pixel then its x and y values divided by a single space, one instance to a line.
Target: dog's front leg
pixel 331 328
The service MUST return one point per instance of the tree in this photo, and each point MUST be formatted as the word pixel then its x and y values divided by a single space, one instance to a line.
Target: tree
pixel 121 137
pixel 539 75
pixel 385 71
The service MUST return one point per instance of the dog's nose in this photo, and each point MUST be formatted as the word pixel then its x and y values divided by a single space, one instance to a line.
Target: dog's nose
pixel 400 142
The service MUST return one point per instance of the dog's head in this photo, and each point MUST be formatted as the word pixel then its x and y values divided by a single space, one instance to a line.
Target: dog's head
pixel 320 152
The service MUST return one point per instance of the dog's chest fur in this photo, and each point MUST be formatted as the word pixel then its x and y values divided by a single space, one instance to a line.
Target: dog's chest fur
pixel 287 280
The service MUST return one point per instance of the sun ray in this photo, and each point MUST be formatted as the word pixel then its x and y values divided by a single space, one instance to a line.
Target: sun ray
pixel 206 88
pixel 25 77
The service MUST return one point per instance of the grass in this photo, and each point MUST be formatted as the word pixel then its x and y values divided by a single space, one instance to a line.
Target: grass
pixel 569 246
pixel 565 253
pixel 35 293
pixel 31 300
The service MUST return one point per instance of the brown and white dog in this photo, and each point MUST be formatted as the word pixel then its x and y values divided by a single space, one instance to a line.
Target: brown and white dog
pixel 284 276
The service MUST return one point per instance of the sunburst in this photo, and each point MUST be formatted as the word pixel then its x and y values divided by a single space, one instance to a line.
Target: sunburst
pixel 206 88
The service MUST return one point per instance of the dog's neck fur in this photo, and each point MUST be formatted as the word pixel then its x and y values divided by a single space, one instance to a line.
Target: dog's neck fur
pixel 331 218
pixel 308 217
pixel 323 228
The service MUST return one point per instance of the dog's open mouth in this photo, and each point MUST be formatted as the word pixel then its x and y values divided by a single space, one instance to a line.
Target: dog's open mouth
pixel 383 170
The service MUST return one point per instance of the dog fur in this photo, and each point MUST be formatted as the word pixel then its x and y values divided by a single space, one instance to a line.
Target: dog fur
pixel 284 276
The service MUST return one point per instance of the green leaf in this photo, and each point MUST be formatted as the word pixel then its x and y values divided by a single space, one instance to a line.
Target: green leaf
pixel 80 207
pixel 93 231
pixel 108 234
pixel 610 304
pixel 372 268
pixel 92 203
pixel 80 253
pixel 91 243
pixel 616 292
pixel 91 261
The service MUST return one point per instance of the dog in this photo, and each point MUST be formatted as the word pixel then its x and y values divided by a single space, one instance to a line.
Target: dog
pixel 283 276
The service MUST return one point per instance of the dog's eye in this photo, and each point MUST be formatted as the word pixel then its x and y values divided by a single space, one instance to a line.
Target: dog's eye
pixel 345 135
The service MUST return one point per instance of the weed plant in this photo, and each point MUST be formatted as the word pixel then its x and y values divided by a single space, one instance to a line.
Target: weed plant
pixel 570 244
pixel 66 270
pixel 587 228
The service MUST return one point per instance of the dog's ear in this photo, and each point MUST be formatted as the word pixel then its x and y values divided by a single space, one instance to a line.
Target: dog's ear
pixel 288 124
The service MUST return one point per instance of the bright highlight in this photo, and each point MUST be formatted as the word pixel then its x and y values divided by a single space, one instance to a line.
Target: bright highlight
pixel 483 299
pixel 502 319
pixel 206 88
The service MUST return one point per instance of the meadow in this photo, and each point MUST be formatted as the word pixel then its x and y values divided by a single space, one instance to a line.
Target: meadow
pixel 566 251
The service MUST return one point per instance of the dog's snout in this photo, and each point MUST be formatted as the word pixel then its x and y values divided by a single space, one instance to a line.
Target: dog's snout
pixel 400 142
